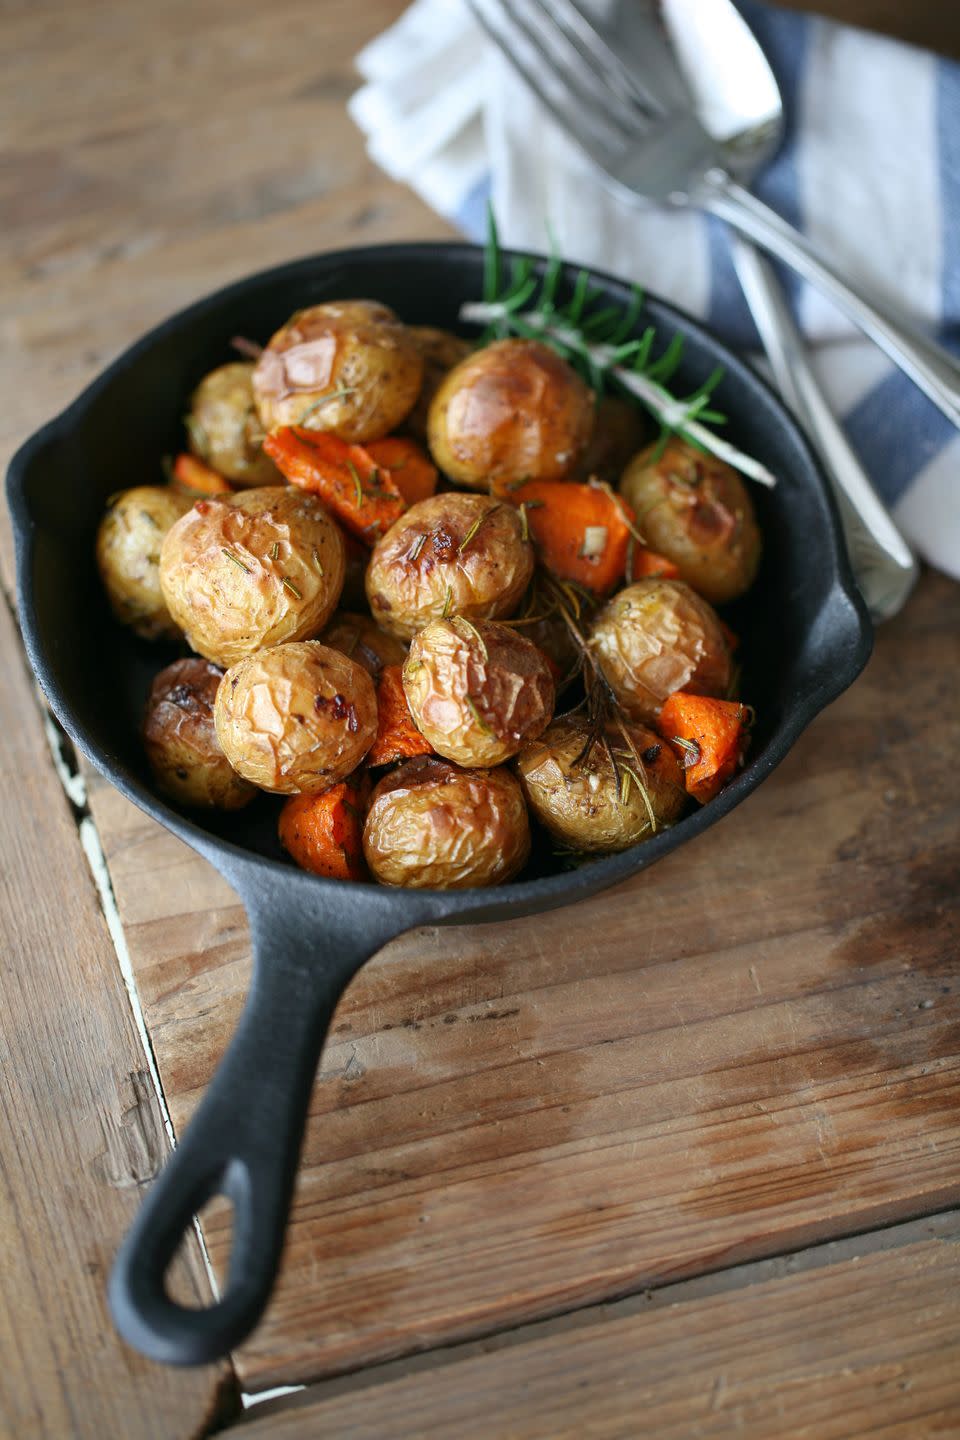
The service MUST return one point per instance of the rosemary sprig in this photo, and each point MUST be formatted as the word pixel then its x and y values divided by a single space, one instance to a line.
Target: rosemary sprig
pixel 232 555
pixel 338 394
pixel 595 341
pixel 471 534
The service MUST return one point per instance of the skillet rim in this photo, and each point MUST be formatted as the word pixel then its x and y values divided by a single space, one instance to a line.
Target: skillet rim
pixel 237 863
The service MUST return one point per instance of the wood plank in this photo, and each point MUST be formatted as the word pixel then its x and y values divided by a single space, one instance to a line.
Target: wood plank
pixel 869 1346
pixel 80 1128
pixel 752 1047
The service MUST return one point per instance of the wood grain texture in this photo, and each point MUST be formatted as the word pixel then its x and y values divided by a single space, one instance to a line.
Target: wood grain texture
pixel 752 1047
pixel 80 1128
pixel 867 1347
pixel 154 153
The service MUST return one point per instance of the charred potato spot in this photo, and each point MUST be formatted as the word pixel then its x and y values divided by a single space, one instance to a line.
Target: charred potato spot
pixel 129 543
pixel 252 569
pixel 696 510
pixel 431 825
pixel 347 366
pixel 619 429
pixel 441 350
pixel 223 427
pixel 296 718
pixel 453 554
pixel 587 804
pixel 658 636
pixel 509 412
pixel 477 690
pixel 362 640
pixel 180 739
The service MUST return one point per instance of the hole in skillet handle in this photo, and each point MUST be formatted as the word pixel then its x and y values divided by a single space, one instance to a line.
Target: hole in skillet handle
pixel 244 1141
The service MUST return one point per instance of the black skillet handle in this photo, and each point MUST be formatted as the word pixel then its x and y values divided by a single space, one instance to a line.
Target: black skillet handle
pixel 244 1141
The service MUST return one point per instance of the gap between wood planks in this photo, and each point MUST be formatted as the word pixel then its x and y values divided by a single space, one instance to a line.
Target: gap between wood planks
pixel 943 1226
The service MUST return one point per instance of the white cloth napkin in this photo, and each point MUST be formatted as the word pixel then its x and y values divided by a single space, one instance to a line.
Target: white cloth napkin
pixel 870 170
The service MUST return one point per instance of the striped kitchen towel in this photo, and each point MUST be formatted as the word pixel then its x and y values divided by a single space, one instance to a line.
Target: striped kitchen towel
pixel 870 169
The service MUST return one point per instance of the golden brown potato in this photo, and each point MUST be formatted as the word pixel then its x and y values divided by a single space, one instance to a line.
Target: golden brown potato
pixel 252 569
pixel 362 640
pixel 181 740
pixel 657 636
pixel 224 429
pixel 579 798
pixel 129 542
pixel 297 718
pixel 441 350
pixel 347 366
pixel 511 411
pixel 695 509
pixel 619 429
pixel 453 554
pixel 431 825
pixel 477 690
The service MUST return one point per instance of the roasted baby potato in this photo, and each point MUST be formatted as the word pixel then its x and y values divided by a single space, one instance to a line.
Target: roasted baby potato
pixel 619 430
pixel 181 740
pixel 252 569
pixel 441 350
pixel 296 718
pixel 453 554
pixel 509 412
pixel 129 542
pixel 223 427
pixel 362 640
pixel 347 366
pixel 477 690
pixel 431 825
pixel 578 796
pixel 657 636
pixel 695 509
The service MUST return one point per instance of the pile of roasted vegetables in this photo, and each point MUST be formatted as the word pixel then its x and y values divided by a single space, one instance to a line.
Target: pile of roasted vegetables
pixel 390 552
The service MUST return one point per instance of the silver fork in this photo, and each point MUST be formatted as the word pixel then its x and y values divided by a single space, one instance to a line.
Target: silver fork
pixel 655 146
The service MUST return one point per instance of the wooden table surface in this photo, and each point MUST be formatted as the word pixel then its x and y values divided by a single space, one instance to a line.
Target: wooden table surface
pixel 684 1160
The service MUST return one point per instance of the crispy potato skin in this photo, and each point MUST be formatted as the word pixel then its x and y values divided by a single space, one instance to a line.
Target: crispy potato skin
pixel 428 564
pixel 252 569
pixel 477 690
pixel 441 350
pixel 295 719
pixel 619 430
pixel 361 638
pixel 511 411
pixel 582 804
pixel 358 347
pixel 695 509
pixel 657 636
pixel 129 543
pixel 223 427
pixel 431 825
pixel 181 740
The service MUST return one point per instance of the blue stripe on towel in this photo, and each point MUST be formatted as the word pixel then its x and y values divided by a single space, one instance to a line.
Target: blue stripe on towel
pixel 895 428
pixel 785 42
pixel 471 213
pixel 948 139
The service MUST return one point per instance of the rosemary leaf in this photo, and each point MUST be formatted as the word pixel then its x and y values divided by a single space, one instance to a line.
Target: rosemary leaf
pixel 288 584
pixel 232 555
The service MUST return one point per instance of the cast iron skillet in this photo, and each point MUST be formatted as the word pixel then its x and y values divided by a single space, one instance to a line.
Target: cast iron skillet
pixel 805 638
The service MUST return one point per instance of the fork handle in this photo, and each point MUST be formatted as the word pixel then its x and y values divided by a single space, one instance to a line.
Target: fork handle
pixel 929 366
pixel 883 563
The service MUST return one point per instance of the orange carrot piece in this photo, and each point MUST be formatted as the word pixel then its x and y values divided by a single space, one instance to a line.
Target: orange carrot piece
pixel 324 833
pixel 709 737
pixel 647 564
pixel 411 469
pixel 198 477
pixel 580 531
pixel 363 497
pixel 397 736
